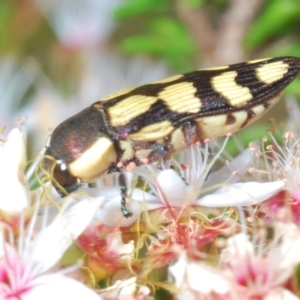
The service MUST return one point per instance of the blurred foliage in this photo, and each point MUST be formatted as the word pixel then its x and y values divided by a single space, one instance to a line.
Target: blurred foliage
pixel 137 7
pixel 166 39
pixel 163 35
pixel 6 12
pixel 273 32
pixel 279 19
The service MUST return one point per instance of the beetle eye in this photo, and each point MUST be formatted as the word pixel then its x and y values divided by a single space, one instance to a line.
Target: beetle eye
pixel 63 181
pixel 67 182
pixel 61 165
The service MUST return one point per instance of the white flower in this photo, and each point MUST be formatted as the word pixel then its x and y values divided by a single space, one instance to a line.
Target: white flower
pixel 25 268
pixel 13 184
pixel 280 294
pixel 196 280
pixel 246 270
pixel 242 194
pixel 256 269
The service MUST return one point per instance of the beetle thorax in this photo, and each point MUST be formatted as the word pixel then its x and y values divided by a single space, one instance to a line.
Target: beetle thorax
pixel 82 144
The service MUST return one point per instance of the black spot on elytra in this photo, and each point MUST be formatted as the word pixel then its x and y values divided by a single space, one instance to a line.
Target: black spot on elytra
pixel 230 119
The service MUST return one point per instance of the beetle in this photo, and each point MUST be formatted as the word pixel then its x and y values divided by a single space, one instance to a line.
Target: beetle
pixel 151 122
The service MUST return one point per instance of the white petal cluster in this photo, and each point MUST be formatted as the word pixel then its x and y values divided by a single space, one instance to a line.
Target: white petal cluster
pixel 25 268
pixel 247 269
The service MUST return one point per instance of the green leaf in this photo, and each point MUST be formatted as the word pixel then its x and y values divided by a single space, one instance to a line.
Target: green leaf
pixel 276 19
pixel 221 3
pixel 6 12
pixel 137 7
pixel 193 3
pixel 167 40
pixel 71 256
pixel 293 88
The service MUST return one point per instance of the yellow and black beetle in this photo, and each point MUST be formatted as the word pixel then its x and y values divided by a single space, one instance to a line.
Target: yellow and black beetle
pixel 150 122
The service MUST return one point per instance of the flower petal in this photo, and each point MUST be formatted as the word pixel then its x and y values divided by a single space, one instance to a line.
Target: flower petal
pixel 211 280
pixel 110 212
pixel 238 245
pixel 198 277
pixel 126 289
pixel 289 234
pixel 50 243
pixel 2 243
pixel 242 194
pixel 13 185
pixel 59 287
pixel 117 246
pixel 174 189
pixel 280 294
pixel 239 165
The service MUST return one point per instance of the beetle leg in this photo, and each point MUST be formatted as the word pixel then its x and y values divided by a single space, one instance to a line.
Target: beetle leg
pixel 122 180
pixel 123 187
pixel 159 152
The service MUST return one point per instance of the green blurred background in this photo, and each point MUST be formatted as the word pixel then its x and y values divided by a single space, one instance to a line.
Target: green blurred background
pixel 59 56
